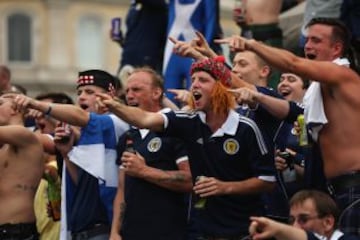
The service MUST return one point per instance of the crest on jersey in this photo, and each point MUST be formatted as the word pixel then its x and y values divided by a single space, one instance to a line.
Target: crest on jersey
pixel 231 146
pixel 154 145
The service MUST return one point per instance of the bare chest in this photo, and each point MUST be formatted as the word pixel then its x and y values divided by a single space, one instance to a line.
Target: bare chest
pixel 262 12
pixel 5 154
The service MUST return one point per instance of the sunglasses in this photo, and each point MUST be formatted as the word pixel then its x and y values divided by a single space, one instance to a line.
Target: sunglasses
pixel 301 219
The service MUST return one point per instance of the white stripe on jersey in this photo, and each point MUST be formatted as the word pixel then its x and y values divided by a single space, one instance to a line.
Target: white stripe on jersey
pixel 278 131
pixel 186 114
pixel 259 137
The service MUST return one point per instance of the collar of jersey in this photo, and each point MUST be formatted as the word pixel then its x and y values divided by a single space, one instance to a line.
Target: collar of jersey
pixel 229 127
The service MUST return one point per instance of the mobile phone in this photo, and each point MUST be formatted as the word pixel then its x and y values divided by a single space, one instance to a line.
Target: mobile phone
pixel 67 131
pixel 116 33
pixel 288 158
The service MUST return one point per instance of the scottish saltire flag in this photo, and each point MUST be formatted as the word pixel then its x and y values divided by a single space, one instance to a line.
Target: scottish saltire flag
pixel 186 17
pixel 96 154
pixel 96 149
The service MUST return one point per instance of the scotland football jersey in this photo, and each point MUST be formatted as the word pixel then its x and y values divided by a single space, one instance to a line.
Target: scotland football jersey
pixel 158 212
pixel 235 152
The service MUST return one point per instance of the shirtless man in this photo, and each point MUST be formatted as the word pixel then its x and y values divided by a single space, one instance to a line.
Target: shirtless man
pixel 258 12
pixel 82 177
pixel 21 170
pixel 339 86
pixel 260 22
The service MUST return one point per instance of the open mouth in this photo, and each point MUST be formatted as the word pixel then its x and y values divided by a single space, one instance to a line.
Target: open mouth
pixel 133 104
pixel 196 95
pixel 84 106
pixel 310 56
pixel 284 92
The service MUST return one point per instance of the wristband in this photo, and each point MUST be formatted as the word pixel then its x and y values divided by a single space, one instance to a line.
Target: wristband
pixel 48 111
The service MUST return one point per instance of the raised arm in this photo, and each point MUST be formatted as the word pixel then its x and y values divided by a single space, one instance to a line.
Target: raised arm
pixel 185 49
pixel 237 82
pixel 321 71
pixel 181 95
pixel 277 107
pixel 167 103
pixel 64 112
pixel 201 45
pixel 17 136
pixel 133 115
pixel 198 49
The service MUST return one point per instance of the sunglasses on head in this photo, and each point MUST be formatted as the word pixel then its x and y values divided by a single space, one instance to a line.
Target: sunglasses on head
pixel 301 219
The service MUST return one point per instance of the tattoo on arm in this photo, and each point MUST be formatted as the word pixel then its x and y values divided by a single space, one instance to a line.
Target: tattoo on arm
pixel 176 177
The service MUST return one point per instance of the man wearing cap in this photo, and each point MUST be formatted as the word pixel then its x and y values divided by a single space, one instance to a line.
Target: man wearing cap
pixel 91 172
pixel 226 149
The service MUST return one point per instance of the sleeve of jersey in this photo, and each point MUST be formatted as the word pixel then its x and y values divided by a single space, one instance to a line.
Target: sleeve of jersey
pixel 178 124
pixel 260 155
pixel 295 109
pixel 96 149
pixel 263 112
pixel 180 151
pixel 268 92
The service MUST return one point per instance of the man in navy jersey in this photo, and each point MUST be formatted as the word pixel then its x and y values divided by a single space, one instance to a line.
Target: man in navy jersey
pixel 251 71
pixel 226 149
pixel 152 181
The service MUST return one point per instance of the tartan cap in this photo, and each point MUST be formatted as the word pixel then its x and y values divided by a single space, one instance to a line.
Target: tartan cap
pixel 98 78
pixel 215 67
